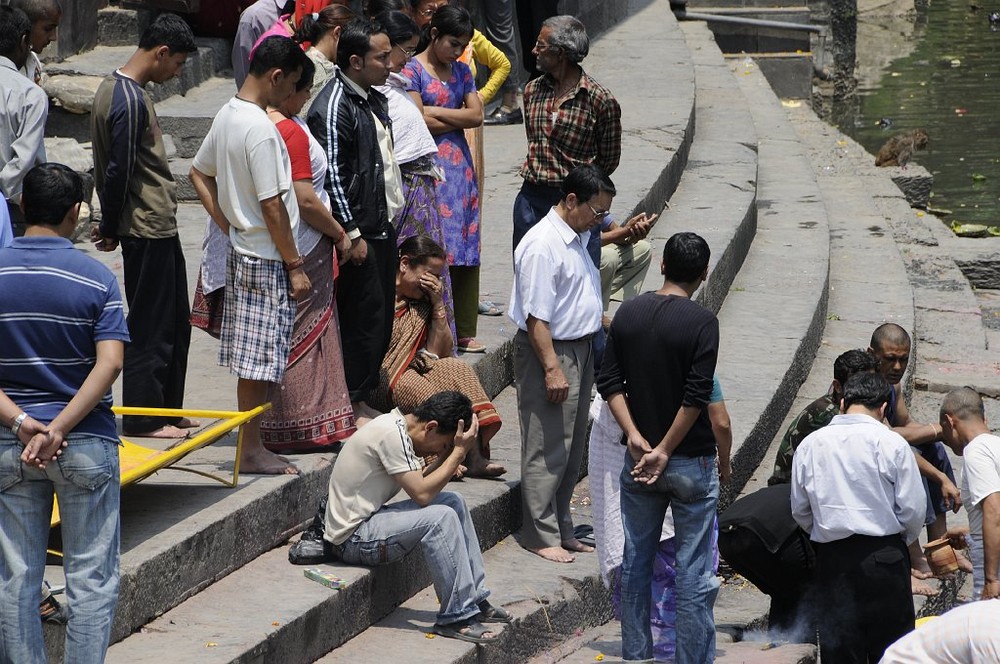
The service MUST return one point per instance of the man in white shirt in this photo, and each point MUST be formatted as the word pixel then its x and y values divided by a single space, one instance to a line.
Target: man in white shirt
pixel 964 429
pixel 967 634
pixel 243 177
pixel 856 490
pixel 44 16
pixel 24 108
pixel 556 305
pixel 363 528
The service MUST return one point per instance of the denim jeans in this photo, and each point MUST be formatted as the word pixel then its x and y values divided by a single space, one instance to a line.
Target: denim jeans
pixel 86 481
pixel 690 486
pixel 447 536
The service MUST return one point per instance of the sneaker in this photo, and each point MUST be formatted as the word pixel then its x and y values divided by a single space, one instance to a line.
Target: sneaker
pixel 309 551
pixel 502 117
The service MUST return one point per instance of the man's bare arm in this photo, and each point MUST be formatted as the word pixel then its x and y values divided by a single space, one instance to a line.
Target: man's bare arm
pixel 991 545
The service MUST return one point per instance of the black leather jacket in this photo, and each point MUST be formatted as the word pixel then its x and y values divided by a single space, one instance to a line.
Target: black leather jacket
pixel 342 122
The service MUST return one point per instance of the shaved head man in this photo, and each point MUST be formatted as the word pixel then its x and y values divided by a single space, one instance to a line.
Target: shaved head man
pixel 44 16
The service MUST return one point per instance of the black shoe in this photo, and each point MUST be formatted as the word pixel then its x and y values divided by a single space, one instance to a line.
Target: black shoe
pixel 502 117
pixel 309 551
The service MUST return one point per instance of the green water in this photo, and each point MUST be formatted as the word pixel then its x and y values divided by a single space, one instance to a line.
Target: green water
pixel 957 103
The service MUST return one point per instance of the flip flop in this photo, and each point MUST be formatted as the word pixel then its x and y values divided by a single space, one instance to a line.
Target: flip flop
pixel 584 534
pixel 494 614
pixel 473 634
pixel 487 308
pixel 470 345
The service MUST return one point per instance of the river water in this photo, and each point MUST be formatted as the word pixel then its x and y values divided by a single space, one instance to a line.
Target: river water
pixel 939 70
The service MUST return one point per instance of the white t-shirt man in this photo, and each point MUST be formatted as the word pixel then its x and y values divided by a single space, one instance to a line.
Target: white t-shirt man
pixel 980 478
pixel 246 155
pixel 362 479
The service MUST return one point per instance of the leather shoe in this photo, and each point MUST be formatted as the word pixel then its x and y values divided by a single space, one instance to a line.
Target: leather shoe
pixel 309 551
pixel 502 117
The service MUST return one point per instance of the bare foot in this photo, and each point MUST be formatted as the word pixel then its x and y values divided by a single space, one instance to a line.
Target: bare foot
pixel 554 553
pixel 188 423
pixel 575 545
pixel 918 587
pixel 485 469
pixel 265 463
pixel 964 563
pixel 166 431
pixel 919 568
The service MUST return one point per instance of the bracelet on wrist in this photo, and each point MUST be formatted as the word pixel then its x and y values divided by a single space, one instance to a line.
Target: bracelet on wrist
pixel 15 426
pixel 295 264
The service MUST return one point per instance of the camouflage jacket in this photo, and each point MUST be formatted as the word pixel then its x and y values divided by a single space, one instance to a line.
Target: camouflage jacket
pixel 815 416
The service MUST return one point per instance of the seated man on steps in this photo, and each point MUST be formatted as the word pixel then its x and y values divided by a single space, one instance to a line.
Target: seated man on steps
pixel 362 529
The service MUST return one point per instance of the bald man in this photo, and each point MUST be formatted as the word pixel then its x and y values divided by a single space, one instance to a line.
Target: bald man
pixel 890 346
pixel 963 423
pixel 44 16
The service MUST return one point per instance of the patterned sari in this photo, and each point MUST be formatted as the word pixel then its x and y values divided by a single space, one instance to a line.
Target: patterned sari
pixel 409 376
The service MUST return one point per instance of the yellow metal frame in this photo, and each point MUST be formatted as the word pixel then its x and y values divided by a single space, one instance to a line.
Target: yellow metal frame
pixel 139 462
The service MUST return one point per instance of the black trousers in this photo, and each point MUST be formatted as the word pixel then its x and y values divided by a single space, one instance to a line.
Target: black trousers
pixel 366 297
pixel 160 327
pixel 865 583
pixel 530 16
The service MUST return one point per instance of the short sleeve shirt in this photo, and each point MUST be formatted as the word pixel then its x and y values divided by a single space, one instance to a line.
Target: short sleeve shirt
pixel 245 154
pixel 815 416
pixel 362 479
pixel 980 477
pixel 57 304
pixel 307 164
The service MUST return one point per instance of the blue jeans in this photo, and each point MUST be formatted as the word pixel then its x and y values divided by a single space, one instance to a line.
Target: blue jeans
pixel 690 485
pixel 447 536
pixel 86 481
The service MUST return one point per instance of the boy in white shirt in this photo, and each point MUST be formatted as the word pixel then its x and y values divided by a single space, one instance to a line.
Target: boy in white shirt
pixel 243 177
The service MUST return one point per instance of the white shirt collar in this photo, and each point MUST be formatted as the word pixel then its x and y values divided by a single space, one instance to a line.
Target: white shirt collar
pixel 7 62
pixel 565 231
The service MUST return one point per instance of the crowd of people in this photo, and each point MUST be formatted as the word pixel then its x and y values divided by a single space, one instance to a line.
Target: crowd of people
pixel 340 272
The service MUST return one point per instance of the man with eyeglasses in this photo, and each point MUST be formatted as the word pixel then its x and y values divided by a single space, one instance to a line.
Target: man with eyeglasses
pixel 570 119
pixel 556 305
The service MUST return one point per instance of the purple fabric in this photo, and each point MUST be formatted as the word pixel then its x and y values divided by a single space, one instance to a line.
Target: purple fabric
pixel 419 216
pixel 458 195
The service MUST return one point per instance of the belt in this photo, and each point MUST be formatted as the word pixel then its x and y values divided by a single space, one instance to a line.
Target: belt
pixel 586 337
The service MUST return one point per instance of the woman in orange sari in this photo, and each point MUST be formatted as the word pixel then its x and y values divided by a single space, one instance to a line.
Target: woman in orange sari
pixel 418 363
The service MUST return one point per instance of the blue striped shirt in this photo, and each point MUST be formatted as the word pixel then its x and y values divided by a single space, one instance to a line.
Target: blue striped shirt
pixel 56 303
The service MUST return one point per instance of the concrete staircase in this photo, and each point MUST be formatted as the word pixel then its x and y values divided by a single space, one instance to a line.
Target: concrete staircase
pixel 205 571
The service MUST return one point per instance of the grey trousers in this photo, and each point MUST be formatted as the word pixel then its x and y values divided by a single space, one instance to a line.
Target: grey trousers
pixel 553 438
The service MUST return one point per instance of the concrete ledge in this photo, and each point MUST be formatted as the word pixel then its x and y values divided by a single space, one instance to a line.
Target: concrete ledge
pixel 188 117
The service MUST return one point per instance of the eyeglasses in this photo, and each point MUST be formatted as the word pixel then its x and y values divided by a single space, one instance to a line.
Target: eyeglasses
pixel 541 46
pixel 598 214
pixel 427 13
pixel 408 52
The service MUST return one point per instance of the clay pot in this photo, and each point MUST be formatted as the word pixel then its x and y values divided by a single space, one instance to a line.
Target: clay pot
pixel 941 557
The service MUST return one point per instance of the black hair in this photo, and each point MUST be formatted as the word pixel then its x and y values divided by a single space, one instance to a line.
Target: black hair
pixel 168 30
pixel 964 403
pixel 308 74
pixel 14 26
pixel 445 408
pixel 277 52
pixel 889 333
pixel 332 16
pixel 852 362
pixel 452 20
pixel 36 10
pixel 375 8
pixel 398 26
pixel 586 181
pixel 421 248
pixel 356 39
pixel 288 7
pixel 49 191
pixel 870 390
pixel 685 257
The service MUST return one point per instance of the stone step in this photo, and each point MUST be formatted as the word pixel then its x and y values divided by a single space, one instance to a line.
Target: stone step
pixel 188 117
pixel 117 27
pixel 268 611
pixel 774 315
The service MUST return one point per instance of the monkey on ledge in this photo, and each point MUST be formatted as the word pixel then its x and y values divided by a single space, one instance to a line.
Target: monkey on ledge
pixel 898 149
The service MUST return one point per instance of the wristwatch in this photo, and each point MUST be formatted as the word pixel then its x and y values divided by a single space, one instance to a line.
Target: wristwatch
pixel 15 426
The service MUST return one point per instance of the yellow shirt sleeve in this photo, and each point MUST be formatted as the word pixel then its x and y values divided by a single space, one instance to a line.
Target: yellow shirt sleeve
pixel 485 53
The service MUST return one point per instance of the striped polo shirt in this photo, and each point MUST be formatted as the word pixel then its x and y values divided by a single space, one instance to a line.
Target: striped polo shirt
pixel 56 303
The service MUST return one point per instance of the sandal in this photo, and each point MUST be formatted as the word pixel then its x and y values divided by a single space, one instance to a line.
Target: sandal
pixel 494 614
pixel 487 308
pixel 470 345
pixel 51 610
pixel 473 633
pixel 584 534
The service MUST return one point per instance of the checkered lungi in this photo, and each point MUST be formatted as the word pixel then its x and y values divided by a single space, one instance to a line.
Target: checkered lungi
pixel 257 320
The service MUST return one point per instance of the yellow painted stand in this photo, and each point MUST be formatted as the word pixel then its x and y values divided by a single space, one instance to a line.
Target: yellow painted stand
pixel 137 462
